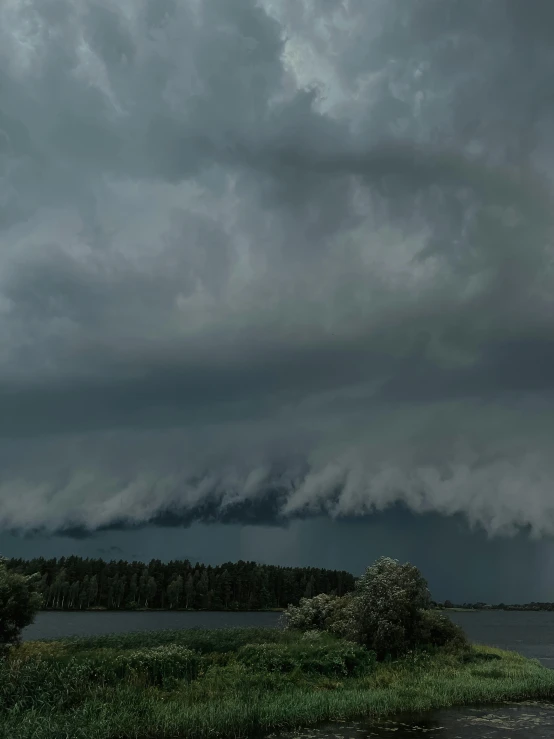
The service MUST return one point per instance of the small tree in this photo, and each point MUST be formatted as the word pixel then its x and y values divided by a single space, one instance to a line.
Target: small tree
pixel 19 603
pixel 390 598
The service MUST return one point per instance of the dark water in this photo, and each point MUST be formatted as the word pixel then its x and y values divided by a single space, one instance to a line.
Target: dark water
pixel 54 624
pixel 530 720
pixel 531 634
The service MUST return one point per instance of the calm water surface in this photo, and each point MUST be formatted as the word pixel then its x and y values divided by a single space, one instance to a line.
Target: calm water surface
pixel 529 720
pixel 531 634
pixel 54 624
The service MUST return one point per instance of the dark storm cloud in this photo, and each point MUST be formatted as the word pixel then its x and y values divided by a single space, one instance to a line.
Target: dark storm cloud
pixel 264 512
pixel 276 259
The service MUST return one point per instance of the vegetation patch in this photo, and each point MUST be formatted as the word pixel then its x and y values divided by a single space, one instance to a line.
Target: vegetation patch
pixel 376 652
pixel 161 691
pixel 334 659
pixel 205 641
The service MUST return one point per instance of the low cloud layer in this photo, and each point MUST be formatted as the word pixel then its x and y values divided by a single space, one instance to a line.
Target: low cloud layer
pixel 276 259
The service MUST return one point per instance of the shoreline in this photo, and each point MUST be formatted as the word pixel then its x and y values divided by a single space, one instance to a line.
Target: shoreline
pixel 102 609
pixel 205 683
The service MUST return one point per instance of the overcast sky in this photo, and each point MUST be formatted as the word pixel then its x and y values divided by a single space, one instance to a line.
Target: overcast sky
pixel 279 267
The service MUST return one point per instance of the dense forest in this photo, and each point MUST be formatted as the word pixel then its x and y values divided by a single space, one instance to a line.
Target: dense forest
pixel 74 583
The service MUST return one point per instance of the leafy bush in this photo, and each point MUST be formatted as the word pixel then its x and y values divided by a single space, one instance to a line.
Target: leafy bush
pixel 323 613
pixel 331 659
pixel 19 603
pixel 438 630
pixel 389 612
pixel 311 613
pixel 342 621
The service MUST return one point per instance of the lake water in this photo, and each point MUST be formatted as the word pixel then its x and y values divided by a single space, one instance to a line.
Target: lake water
pixel 529 720
pixel 54 624
pixel 531 634
pixel 526 632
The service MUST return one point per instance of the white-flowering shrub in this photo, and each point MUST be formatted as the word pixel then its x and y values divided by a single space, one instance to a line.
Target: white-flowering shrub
pixel 311 613
pixel 323 613
pixel 343 619
pixel 388 613
pixel 390 598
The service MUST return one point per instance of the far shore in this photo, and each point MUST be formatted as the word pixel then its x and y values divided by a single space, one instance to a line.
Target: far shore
pixel 103 609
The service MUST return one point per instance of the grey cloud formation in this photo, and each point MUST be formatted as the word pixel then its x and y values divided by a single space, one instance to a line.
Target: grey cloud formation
pixel 268 260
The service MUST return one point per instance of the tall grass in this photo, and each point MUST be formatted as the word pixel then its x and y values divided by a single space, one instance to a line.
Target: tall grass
pixel 201 640
pixel 198 686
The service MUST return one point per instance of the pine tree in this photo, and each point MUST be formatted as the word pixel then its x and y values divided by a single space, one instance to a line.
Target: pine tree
pixel 133 589
pixel 83 593
pixel 150 591
pixel 189 590
pixel 202 590
pixel 92 591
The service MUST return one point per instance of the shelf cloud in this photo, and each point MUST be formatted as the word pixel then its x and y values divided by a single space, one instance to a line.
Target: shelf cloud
pixel 267 260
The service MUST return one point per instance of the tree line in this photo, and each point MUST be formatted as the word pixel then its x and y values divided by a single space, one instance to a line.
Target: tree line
pixel 480 606
pixel 74 583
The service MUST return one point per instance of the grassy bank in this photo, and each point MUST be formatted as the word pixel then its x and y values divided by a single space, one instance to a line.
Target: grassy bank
pixel 236 682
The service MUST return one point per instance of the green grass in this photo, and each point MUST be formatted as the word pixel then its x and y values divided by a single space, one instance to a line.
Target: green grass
pixel 201 640
pixel 237 682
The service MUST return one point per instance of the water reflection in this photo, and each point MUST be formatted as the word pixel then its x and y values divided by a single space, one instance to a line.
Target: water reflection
pixel 531 720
